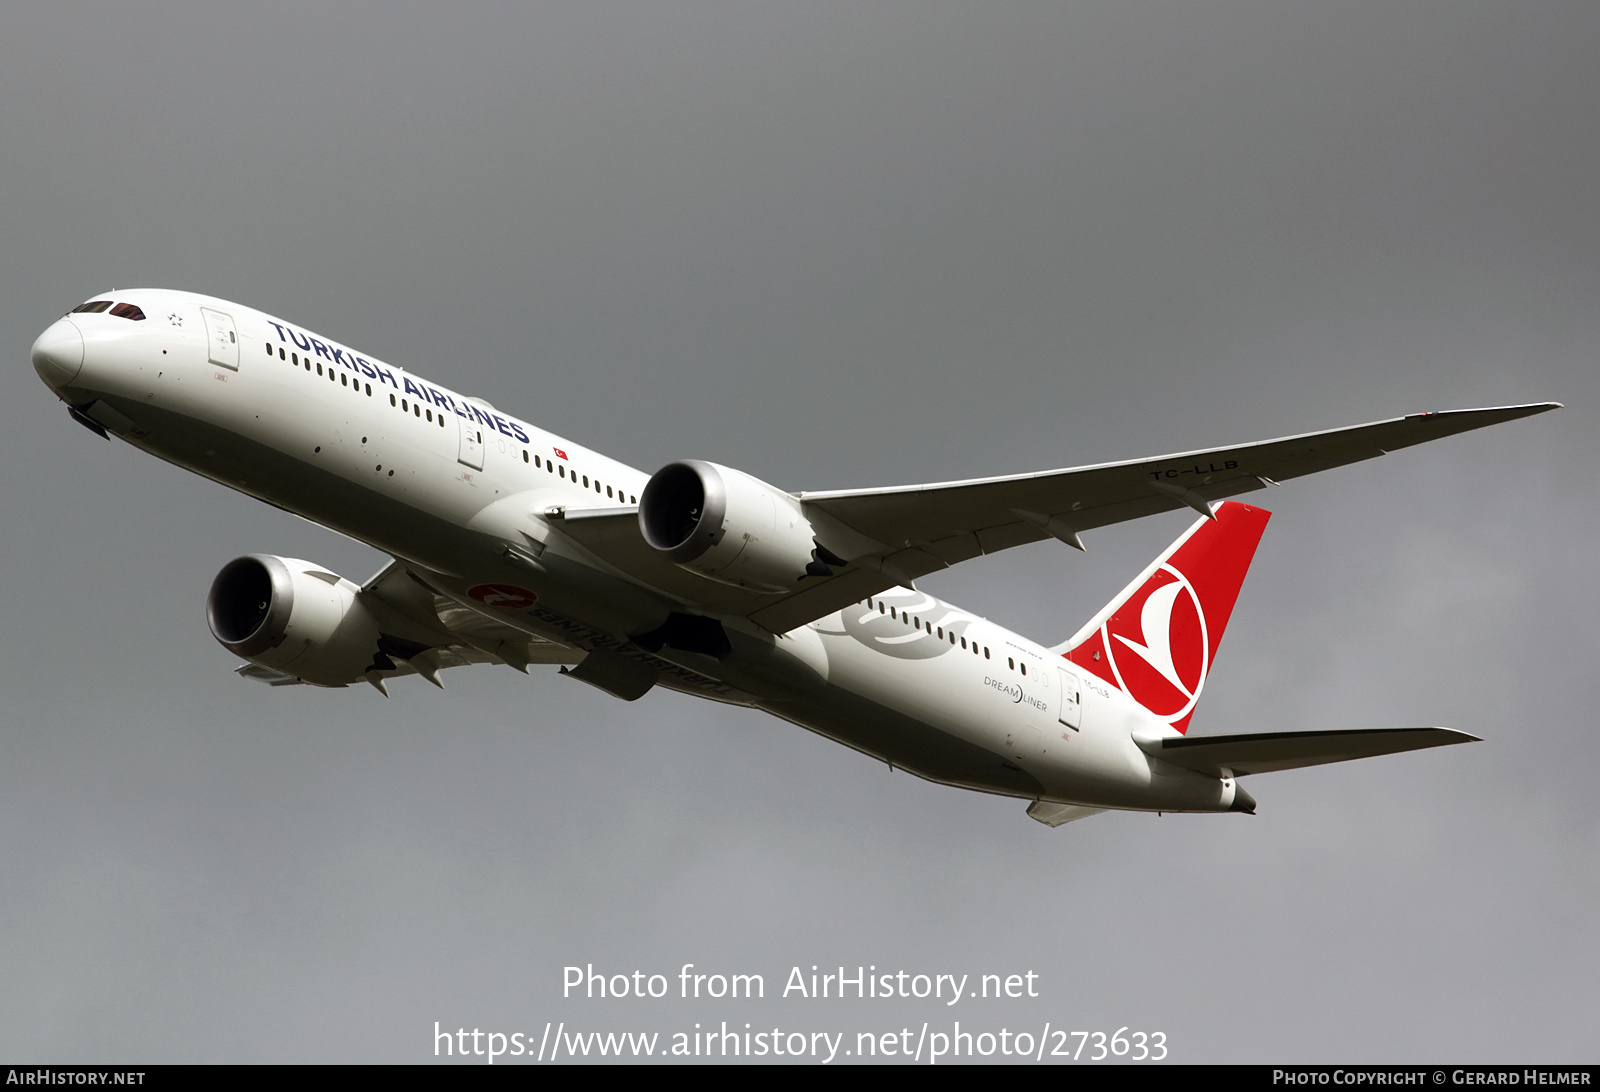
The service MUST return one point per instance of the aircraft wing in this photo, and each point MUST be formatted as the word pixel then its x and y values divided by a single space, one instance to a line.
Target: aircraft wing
pixel 922 528
pixel 892 536
pixel 1268 752
pixel 423 632
pixel 449 630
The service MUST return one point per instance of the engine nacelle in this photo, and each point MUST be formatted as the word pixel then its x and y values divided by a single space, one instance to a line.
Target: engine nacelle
pixel 733 528
pixel 294 617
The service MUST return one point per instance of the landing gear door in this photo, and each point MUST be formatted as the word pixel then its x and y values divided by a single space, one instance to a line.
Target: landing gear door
pixel 1071 705
pixel 471 443
pixel 222 339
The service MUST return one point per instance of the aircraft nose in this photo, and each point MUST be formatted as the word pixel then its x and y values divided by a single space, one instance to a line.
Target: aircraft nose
pixel 58 354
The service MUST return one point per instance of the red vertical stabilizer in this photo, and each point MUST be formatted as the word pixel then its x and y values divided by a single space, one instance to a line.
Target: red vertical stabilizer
pixel 1157 640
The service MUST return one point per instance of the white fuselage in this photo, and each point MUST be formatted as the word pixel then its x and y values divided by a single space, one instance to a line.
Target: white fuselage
pixel 462 490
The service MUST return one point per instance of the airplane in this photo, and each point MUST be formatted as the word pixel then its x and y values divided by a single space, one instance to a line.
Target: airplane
pixel 513 545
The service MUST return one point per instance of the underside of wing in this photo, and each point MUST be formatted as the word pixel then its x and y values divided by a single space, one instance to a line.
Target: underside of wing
pixel 611 537
pixel 1268 752
pixel 436 660
pixel 885 537
pixel 990 510
pixel 449 634
pixel 420 632
pixel 924 528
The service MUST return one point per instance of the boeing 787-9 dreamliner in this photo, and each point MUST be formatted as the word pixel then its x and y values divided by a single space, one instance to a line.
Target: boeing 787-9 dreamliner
pixel 512 545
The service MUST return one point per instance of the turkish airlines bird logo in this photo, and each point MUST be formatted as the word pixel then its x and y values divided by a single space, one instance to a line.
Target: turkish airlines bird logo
pixel 1157 642
pixel 1159 649
pixel 503 596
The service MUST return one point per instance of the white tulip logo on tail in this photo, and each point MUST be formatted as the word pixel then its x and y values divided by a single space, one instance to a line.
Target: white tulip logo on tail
pixel 1163 623
pixel 1157 640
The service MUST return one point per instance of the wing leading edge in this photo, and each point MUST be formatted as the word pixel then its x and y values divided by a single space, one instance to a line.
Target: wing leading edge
pixel 894 535
pixel 923 528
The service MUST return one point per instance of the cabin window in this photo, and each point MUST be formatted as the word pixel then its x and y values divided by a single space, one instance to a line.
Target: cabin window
pixel 536 461
pixel 430 417
pixel 963 642
pixel 608 491
pixel 391 399
pixel 562 471
pixel 1012 664
pixel 319 367
pixel 941 633
pixel 1024 669
pixel 344 380
pixel 881 608
pixel 524 456
pixel 985 652
pixel 586 481
pixel 416 409
pixel 281 354
pixel 269 350
pixel 633 500
pixel 369 390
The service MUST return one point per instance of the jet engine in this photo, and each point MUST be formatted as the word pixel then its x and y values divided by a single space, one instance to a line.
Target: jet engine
pixel 731 527
pixel 293 617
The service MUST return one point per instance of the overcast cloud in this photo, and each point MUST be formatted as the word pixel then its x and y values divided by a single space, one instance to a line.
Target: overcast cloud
pixel 834 245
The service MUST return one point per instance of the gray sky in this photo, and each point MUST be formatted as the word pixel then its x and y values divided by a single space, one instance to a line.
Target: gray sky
pixel 834 245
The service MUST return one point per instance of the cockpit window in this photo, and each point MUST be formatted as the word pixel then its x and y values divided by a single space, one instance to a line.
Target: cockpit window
pixel 128 311
pixel 94 306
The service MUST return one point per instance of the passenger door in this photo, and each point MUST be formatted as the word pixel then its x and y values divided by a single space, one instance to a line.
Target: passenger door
pixel 471 443
pixel 222 339
pixel 1070 704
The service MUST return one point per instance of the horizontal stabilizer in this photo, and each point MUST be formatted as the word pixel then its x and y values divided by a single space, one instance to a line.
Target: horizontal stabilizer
pixel 1267 752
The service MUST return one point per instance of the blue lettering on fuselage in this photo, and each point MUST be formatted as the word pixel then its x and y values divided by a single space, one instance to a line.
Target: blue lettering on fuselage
pixel 348 359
